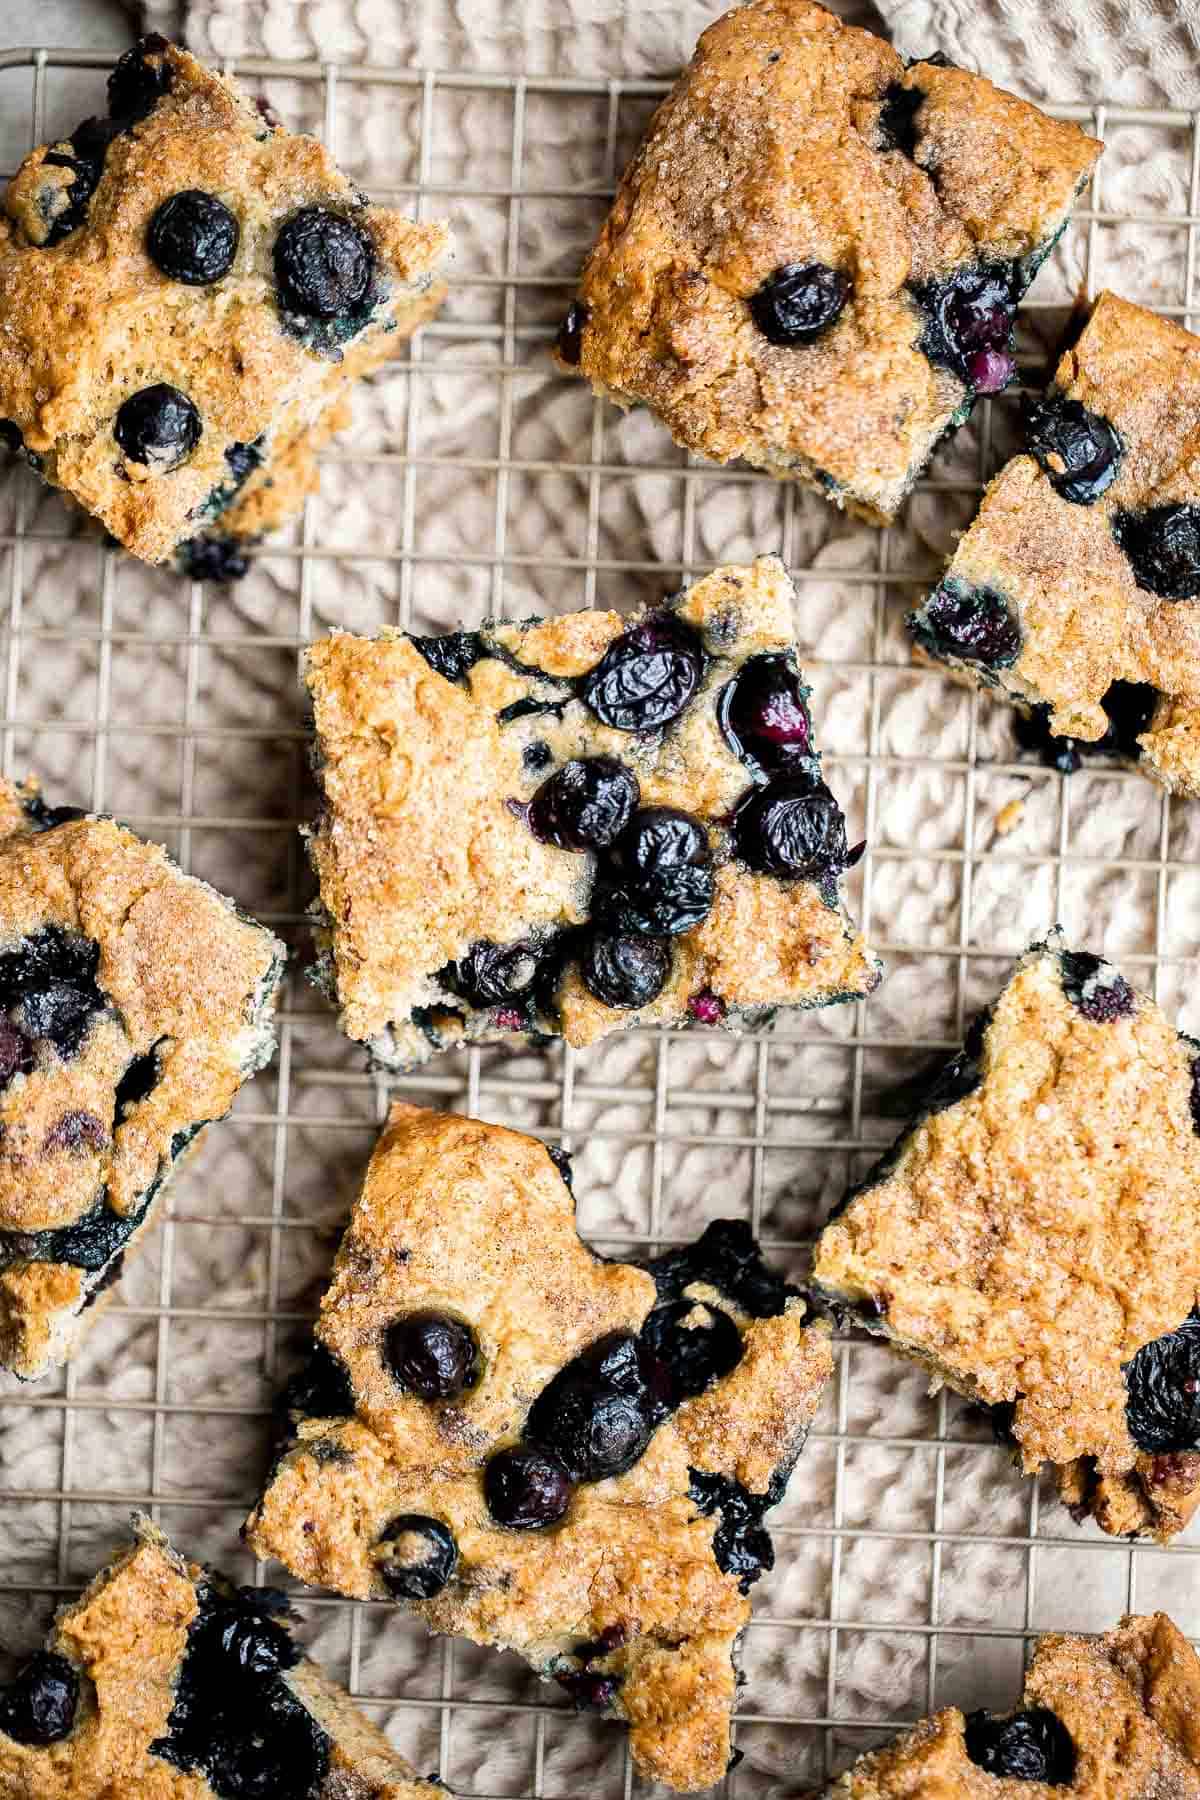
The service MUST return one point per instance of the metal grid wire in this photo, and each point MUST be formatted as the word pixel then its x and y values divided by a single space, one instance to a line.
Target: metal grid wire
pixel 913 1566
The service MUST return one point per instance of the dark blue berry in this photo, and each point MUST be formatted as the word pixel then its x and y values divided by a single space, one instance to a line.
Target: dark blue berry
pixel 562 1162
pixel 77 1131
pixel 526 1489
pixel 88 147
pixel 727 1257
pixel 323 263
pixel 1079 450
pixel 596 1416
pixel 1163 548
pixel 16 1052
pixel 569 342
pixel 589 1689
pixel 537 755
pixel 193 238
pixel 792 828
pixel 763 715
pixel 136 84
pixel 647 676
pixel 158 426
pixel 799 302
pixel 695 1343
pixel 39 1706
pixel 898 118
pixel 1130 706
pixel 416 1556
pixel 452 655
pixel 432 1355
pixel 971 624
pixel 585 805
pixel 624 971
pixel 320 1389
pixel 1032 1745
pixel 495 974
pixel 1095 988
pixel 139 1080
pixel 742 1546
pixel 1162 1383
pixel 968 323
pixel 10 435
pixel 60 1012
pixel 660 881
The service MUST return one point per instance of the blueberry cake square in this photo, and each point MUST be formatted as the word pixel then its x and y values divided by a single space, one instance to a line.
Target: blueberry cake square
pixel 814 261
pixel 1109 1718
pixel 134 1002
pixel 568 826
pixel 1033 1238
pixel 1075 594
pixel 165 1681
pixel 541 1449
pixel 187 292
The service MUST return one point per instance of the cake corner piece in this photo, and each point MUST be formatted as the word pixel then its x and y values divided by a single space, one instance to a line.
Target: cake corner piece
pixel 1100 1716
pixel 1073 593
pixel 544 1450
pixel 189 293
pixel 134 1003
pixel 1031 1240
pixel 569 826
pixel 165 1677
pixel 813 262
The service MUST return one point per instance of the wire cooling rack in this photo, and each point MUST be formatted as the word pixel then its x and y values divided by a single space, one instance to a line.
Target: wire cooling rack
pixel 914 1566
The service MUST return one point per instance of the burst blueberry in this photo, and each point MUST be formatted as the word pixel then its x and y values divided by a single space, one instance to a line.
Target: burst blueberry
pixel 763 715
pixel 1079 450
pixel 416 1556
pixel 968 323
pixel 972 624
pixel 136 84
pixel 1031 1745
pixel 624 970
pixel 596 1415
pixel 793 828
pixel 323 263
pixel 647 677
pixel 1163 548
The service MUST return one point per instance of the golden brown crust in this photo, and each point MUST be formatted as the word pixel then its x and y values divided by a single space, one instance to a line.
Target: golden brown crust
pixel 1084 620
pixel 184 980
pixel 89 320
pixel 1026 1240
pixel 769 151
pixel 1130 1701
pixel 422 848
pixel 475 1222
pixel 127 1638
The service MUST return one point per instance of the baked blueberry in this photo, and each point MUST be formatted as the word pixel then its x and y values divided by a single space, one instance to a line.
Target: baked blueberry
pixel 695 1343
pixel 432 1355
pixel 793 828
pixel 78 1131
pixel 59 1012
pixel 494 974
pixel 763 715
pixel 158 426
pixel 38 1707
pixel 88 147
pixel 451 655
pixel 741 1543
pixel 1031 1745
pixel 971 623
pixel 589 1689
pixel 1130 706
pixel 969 319
pixel 319 1390
pixel 898 118
pixel 1162 1382
pixel 193 238
pixel 16 1052
pixel 799 302
pixel 596 1416
pixel 136 85
pixel 624 970
pixel 1163 547
pixel 660 880
pixel 139 1080
pixel 323 263
pixel 1093 986
pixel 215 558
pixel 526 1489
pixel 647 676
pixel 569 342
pixel 416 1556
pixel 585 805
pixel 1079 450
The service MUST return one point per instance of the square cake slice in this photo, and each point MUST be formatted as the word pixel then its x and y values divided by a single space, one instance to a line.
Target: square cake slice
pixel 570 826
pixel 1033 1238
pixel 541 1449
pixel 164 1680
pixel 134 1002
pixel 1109 1718
pixel 187 292
pixel 1076 590
pixel 814 261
